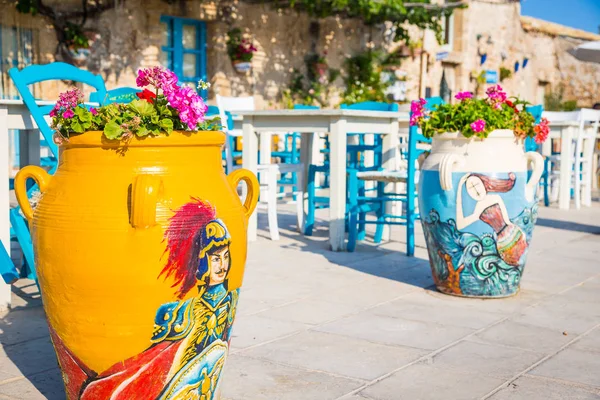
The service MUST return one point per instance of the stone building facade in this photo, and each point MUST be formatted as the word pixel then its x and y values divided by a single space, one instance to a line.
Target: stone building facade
pixel 479 40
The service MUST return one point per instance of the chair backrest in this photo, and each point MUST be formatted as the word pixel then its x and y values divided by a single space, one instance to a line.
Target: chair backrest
pixel 371 106
pixel 54 71
pixel 561 116
pixel 536 111
pixel 356 158
pixel 118 95
pixel 233 104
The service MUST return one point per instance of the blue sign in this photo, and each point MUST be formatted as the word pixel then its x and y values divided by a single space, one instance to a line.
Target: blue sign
pixel 441 56
pixel 491 76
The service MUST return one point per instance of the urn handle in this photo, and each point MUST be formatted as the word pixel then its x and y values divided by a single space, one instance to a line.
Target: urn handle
pixel 40 176
pixel 245 175
pixel 144 197
pixel 446 167
pixel 538 169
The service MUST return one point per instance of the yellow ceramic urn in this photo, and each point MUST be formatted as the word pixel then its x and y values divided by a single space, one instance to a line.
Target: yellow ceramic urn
pixel 140 253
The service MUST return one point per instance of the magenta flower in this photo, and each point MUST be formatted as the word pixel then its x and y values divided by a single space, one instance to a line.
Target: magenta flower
pixel 189 105
pixel 478 126
pixel 417 111
pixel 68 114
pixel 496 96
pixel 67 101
pixel 463 96
pixel 159 77
pixel 93 111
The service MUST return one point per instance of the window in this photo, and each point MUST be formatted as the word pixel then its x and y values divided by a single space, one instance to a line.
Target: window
pixel 448 32
pixel 184 49
pixel 16 50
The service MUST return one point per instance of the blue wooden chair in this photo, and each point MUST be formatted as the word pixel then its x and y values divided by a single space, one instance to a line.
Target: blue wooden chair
pixel 359 203
pixel 355 161
pixel 23 79
pixel 7 268
pixel 120 95
pixel 54 71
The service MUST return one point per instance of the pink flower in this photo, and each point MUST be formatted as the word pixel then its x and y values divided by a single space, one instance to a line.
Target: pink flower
pixel 68 114
pixel 541 131
pixel 463 96
pixel 478 126
pixel 158 77
pixel 189 105
pixel 67 101
pixel 496 96
pixel 93 111
pixel 417 111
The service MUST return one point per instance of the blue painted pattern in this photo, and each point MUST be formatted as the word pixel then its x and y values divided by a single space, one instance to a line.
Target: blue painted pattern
pixel 477 233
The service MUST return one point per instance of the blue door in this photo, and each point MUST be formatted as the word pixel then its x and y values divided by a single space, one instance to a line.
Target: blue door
pixel 184 51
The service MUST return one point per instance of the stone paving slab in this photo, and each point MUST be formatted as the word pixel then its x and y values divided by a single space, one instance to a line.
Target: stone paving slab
pixel 428 382
pixel 369 325
pixel 527 388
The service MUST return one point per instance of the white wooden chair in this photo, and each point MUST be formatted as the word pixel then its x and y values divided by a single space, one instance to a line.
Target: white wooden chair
pixel 269 193
pixel 582 170
pixel 232 104
pixel 584 154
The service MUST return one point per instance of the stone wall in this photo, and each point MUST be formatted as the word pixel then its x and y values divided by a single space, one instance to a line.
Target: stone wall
pixel 131 35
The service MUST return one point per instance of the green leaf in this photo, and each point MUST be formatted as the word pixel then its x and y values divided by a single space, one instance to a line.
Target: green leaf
pixel 142 108
pixel 83 114
pixel 113 130
pixel 166 124
pixel 76 126
pixel 154 119
pixel 142 131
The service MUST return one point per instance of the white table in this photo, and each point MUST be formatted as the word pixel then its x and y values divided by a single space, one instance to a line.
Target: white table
pixel 336 123
pixel 14 115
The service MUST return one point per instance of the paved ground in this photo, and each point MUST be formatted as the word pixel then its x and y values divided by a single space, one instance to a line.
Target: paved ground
pixel 314 325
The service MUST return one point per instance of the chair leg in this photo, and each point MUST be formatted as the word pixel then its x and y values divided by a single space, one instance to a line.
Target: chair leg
pixel 310 189
pixel 298 193
pixel 353 229
pixel 380 214
pixel 547 167
pixel 410 221
pixel 272 205
pixel 577 187
pixel 362 231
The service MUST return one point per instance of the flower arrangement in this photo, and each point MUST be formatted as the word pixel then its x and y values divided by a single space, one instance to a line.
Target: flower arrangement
pixel 165 108
pixel 238 48
pixel 479 117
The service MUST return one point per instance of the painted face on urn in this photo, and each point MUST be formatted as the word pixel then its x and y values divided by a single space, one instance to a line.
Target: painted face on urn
pixel 475 188
pixel 218 265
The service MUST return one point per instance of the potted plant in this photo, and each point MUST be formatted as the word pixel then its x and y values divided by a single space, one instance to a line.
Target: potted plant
pixel 140 244
pixel 240 50
pixel 478 202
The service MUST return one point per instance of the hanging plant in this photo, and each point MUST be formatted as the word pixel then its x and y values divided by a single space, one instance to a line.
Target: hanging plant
pixel 505 73
pixel 240 50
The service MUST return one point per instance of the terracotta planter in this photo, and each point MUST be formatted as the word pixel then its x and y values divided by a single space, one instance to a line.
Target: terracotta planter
pixel 478 209
pixel 242 66
pixel 140 254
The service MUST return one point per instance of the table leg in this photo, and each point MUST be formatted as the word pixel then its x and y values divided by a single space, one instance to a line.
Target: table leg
pixel 337 199
pixel 4 200
pixel 389 163
pixel 566 161
pixel 250 162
